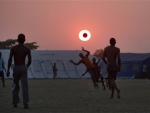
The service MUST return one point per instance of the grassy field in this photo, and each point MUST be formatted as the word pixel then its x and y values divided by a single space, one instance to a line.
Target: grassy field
pixel 79 96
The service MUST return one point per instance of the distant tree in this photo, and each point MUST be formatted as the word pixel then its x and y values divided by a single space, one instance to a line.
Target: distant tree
pixel 98 53
pixel 12 42
pixel 7 44
pixel 32 45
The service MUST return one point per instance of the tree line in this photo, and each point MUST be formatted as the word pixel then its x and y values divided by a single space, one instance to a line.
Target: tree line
pixel 7 44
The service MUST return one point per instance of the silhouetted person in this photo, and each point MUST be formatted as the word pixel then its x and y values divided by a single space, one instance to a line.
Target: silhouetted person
pixel 1 69
pixel 89 65
pixel 113 62
pixel 54 70
pixel 97 69
pixel 103 72
pixel 19 54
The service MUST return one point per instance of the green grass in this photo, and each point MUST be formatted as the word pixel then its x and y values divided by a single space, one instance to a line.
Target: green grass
pixel 79 96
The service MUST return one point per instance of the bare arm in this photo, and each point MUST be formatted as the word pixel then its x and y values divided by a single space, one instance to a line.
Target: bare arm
pixel 9 63
pixel 71 61
pixel 29 59
pixel 87 52
pixel 119 60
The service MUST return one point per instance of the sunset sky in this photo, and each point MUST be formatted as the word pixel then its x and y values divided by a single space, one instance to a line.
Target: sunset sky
pixel 55 24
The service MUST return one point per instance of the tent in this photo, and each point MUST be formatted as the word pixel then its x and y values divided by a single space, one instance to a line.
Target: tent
pixel 135 65
pixel 42 62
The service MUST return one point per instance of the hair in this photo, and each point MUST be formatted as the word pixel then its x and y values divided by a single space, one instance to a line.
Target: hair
pixel 93 59
pixel 21 38
pixel 112 41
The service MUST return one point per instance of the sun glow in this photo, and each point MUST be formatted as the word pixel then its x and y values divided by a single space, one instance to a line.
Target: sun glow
pixel 84 35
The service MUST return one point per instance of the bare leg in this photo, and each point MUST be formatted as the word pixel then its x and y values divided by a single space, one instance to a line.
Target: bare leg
pixel 114 87
pixel 55 74
pixel 112 92
pixel 102 79
pixel 109 83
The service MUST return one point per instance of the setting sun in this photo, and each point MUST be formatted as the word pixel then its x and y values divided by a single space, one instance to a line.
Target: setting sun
pixel 84 35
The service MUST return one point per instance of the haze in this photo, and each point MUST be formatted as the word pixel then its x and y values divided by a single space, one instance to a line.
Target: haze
pixel 55 25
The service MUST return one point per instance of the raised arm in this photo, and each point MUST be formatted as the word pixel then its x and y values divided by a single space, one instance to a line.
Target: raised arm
pixel 87 52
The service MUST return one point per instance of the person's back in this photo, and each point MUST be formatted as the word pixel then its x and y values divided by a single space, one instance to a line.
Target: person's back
pixel 111 53
pixel 113 62
pixel 20 52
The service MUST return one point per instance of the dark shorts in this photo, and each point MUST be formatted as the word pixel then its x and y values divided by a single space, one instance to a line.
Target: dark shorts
pixel 112 71
pixel 1 74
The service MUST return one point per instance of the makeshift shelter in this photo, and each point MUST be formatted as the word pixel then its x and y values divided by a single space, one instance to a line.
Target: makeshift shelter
pixel 42 61
pixel 135 65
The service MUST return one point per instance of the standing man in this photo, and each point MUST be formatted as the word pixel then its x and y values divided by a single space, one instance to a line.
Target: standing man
pixel 1 69
pixel 19 54
pixel 54 70
pixel 89 66
pixel 113 62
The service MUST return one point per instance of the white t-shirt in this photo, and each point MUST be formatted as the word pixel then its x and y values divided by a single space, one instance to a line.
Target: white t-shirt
pixel 103 68
pixel 1 61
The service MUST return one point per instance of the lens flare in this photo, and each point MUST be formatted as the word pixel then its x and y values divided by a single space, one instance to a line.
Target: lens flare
pixel 84 35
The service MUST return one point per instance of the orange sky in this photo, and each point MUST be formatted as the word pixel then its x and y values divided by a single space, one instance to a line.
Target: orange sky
pixel 55 24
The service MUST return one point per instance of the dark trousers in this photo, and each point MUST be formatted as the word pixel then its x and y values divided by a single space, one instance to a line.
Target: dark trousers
pixel 2 76
pixel 20 73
